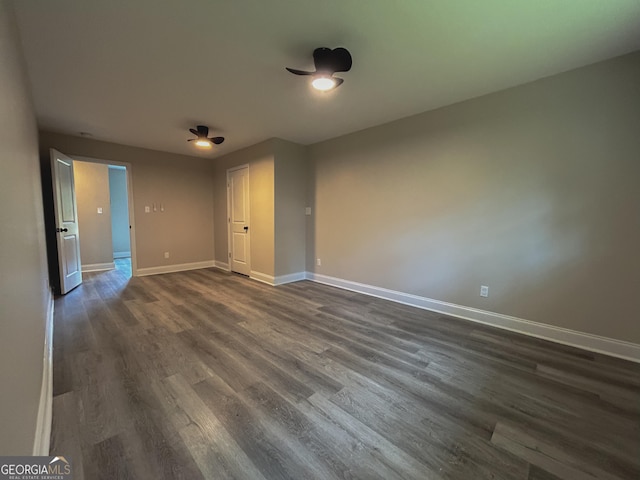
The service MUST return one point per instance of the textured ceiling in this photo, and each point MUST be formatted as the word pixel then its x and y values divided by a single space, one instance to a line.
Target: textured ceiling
pixel 141 72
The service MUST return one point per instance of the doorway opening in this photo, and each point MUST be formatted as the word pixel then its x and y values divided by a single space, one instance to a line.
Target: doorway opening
pixel 105 215
pixel 120 231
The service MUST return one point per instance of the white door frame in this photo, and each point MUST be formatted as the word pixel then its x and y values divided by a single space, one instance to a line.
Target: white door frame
pixel 132 230
pixel 229 229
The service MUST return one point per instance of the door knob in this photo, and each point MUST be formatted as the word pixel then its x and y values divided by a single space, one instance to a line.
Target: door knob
pixel 59 230
pixel 246 228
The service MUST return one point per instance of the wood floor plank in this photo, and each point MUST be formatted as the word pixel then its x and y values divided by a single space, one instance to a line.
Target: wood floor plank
pixel 65 434
pixel 544 455
pixel 390 454
pixel 153 443
pixel 292 332
pixel 568 359
pixel 243 423
pixel 537 473
pixel 626 396
pixel 214 450
pixel 108 461
pixel 559 401
pixel 588 437
pixel 282 420
pixel 343 444
pixel 205 374
pixel 268 350
pixel 442 451
pixel 104 414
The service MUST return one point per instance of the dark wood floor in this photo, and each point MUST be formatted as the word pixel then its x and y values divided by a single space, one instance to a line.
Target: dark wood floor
pixel 203 374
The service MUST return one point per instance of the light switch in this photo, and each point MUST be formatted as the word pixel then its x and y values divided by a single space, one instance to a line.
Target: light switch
pixel 99 209
pixel 307 211
pixel 147 209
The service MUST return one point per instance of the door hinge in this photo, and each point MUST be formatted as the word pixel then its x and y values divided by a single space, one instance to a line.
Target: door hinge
pixel 229 219
pixel 229 254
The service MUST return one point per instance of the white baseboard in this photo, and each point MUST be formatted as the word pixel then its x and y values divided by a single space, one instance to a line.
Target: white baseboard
pixel 585 341
pixel 279 280
pixel 98 267
pixel 143 272
pixel 222 266
pixel 291 277
pixel 262 277
pixel 121 254
pixel 43 421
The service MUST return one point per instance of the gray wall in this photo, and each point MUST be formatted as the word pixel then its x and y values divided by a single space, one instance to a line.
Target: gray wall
pixel 92 192
pixel 260 159
pixel 119 212
pixel 181 183
pixel 533 191
pixel 24 289
pixel 278 172
pixel 290 178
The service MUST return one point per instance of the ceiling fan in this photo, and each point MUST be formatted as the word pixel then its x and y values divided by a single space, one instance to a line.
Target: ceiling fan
pixel 327 62
pixel 201 132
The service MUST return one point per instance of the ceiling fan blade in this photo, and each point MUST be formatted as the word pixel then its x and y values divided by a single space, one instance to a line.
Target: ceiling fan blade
pixel 217 140
pixel 341 59
pixel 323 60
pixel 339 81
pixel 191 139
pixel 298 72
pixel 194 131
pixel 203 131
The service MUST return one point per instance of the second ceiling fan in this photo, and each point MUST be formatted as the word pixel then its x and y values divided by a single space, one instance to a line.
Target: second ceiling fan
pixel 202 132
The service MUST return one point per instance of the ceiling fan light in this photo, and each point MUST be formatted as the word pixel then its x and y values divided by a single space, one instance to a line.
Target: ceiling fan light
pixel 323 83
pixel 202 143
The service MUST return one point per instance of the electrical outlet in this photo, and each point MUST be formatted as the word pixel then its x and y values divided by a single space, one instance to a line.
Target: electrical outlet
pixel 484 291
pixel 318 262
pixel 147 209
pixel 100 210
pixel 166 254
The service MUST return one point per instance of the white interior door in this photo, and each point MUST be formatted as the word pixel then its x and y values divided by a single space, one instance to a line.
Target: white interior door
pixel 66 214
pixel 239 236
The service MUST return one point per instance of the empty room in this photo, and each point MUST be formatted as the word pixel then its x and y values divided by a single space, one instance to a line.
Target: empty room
pixel 392 239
